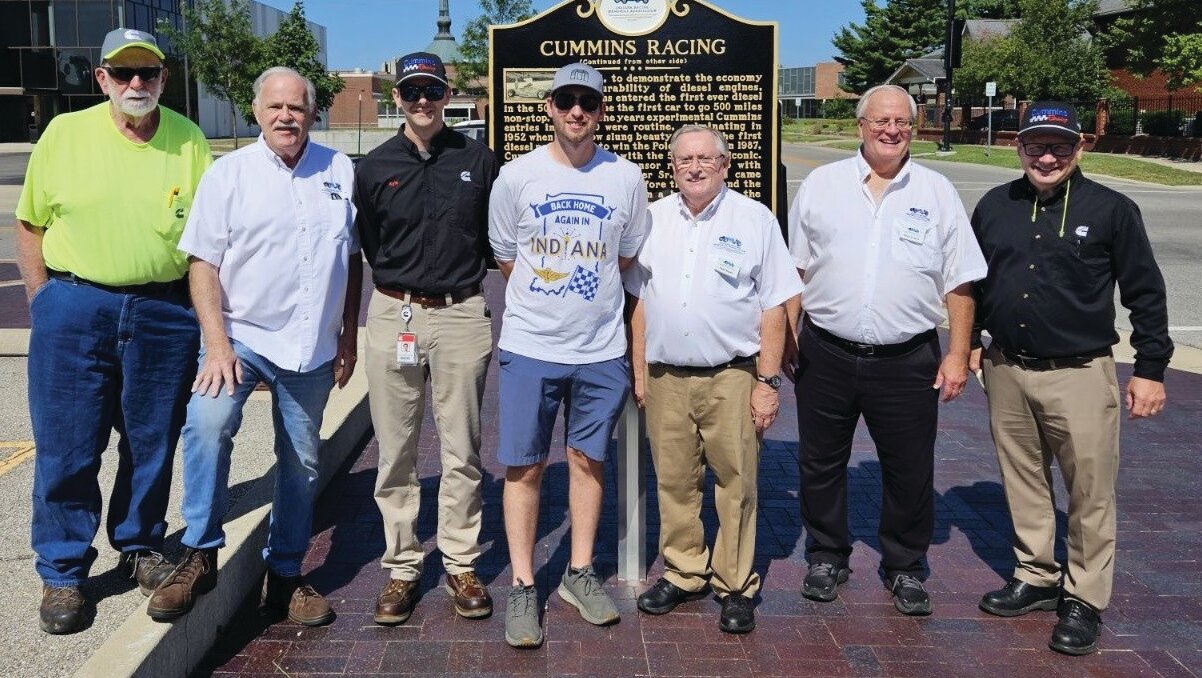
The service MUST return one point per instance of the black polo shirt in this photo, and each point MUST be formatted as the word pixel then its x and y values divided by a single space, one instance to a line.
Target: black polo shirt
pixel 1053 265
pixel 423 222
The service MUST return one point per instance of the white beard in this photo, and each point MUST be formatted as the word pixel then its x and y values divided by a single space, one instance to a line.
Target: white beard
pixel 136 107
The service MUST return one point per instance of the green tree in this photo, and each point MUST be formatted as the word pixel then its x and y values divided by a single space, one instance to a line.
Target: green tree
pixel 903 29
pixel 1047 55
pixel 222 50
pixel 474 46
pixel 987 9
pixel 1161 34
pixel 294 45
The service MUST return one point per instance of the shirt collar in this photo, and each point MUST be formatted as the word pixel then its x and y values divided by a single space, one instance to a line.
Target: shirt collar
pixel 706 213
pixel 436 144
pixel 1058 192
pixel 863 170
pixel 271 156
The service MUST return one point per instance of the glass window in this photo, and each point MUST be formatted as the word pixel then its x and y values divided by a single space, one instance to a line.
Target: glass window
pixel 95 19
pixel 66 33
pixel 14 24
pixel 38 68
pixel 39 23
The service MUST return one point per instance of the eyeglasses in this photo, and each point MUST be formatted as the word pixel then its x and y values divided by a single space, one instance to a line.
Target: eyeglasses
pixel 706 161
pixel 1061 150
pixel 412 93
pixel 127 73
pixel 564 101
pixel 881 124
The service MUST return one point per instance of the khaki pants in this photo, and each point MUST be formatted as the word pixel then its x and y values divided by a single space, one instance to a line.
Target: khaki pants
pixel 455 344
pixel 1070 415
pixel 695 420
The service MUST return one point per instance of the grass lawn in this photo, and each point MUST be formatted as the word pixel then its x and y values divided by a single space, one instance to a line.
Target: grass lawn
pixel 1121 166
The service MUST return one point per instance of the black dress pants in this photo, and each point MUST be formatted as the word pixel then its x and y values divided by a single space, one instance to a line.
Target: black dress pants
pixel 900 409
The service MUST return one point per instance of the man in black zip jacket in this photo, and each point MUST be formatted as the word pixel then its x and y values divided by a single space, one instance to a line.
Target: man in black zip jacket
pixel 1056 244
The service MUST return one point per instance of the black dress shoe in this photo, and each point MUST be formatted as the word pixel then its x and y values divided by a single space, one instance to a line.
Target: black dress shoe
pixel 1077 631
pixel 909 597
pixel 664 596
pixel 1018 597
pixel 822 581
pixel 738 614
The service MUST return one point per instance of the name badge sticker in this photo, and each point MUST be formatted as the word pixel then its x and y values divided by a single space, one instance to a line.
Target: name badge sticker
pixel 726 266
pixel 912 229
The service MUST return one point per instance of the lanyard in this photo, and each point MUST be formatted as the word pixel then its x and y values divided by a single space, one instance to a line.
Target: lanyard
pixel 1063 210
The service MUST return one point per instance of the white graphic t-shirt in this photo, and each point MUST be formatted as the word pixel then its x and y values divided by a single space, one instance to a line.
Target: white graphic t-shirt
pixel 564 228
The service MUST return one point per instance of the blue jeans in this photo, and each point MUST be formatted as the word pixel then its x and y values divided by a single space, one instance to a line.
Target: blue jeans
pixel 101 360
pixel 298 401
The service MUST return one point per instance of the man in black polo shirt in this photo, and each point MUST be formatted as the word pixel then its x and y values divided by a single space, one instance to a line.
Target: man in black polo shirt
pixel 1056 244
pixel 422 200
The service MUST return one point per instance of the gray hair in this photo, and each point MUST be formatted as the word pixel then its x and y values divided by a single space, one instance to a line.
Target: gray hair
pixel 720 138
pixel 862 106
pixel 310 91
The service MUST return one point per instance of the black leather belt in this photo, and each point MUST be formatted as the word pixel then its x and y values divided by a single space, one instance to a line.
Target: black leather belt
pixel 736 362
pixel 872 350
pixel 1040 364
pixel 150 289
pixel 430 299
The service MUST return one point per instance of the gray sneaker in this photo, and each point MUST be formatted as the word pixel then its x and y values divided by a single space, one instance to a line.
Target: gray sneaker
pixel 582 591
pixel 521 617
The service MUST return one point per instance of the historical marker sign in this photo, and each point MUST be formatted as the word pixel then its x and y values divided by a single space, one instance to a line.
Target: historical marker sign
pixel 666 63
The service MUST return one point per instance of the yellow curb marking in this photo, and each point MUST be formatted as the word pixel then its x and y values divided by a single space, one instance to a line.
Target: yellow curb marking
pixel 13 453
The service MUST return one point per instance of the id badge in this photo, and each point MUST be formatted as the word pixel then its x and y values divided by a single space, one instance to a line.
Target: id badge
pixel 406 348
pixel 726 266
pixel 912 230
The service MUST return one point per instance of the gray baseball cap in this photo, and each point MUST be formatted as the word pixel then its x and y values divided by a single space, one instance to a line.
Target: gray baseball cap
pixel 119 39
pixel 579 74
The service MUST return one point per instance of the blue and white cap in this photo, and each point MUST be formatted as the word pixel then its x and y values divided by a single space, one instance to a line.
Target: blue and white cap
pixel 1052 117
pixel 578 74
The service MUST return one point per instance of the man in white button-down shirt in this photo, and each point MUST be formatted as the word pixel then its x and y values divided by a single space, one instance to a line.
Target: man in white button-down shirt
pixel 881 244
pixel 708 329
pixel 275 275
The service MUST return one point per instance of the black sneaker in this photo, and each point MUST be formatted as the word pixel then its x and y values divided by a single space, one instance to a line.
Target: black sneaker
pixel 909 597
pixel 738 614
pixel 1077 631
pixel 822 581
pixel 1018 597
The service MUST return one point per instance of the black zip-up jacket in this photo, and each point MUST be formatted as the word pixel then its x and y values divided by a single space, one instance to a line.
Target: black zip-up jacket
pixel 1053 265
pixel 423 222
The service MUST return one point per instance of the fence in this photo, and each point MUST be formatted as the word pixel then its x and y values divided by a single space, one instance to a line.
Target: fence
pixel 1173 115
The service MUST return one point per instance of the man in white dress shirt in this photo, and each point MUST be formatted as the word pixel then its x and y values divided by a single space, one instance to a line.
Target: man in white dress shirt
pixel 711 280
pixel 275 275
pixel 881 244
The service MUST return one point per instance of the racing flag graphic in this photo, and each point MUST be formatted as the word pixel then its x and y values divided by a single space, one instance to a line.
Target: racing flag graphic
pixel 584 283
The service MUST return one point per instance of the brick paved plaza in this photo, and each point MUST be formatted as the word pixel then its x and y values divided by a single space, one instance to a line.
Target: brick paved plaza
pixel 1154 626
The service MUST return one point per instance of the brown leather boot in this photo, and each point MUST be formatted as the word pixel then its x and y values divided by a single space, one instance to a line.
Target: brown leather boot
pixel 471 598
pixel 63 609
pixel 148 568
pixel 303 604
pixel 196 574
pixel 396 602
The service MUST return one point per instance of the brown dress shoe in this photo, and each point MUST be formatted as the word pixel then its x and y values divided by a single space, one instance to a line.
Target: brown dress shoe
pixel 471 598
pixel 148 568
pixel 195 574
pixel 63 609
pixel 303 604
pixel 396 602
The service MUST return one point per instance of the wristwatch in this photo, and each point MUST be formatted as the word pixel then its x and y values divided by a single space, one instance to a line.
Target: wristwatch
pixel 773 382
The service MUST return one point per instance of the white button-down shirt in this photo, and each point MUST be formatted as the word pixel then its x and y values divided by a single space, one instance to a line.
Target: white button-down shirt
pixel 878 274
pixel 281 239
pixel 706 280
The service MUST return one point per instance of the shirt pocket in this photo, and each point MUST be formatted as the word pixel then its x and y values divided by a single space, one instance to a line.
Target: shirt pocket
pixel 724 275
pixel 913 243
pixel 338 213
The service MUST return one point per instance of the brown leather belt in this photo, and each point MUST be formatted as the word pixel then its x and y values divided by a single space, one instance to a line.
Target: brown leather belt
pixel 1043 364
pixel 428 300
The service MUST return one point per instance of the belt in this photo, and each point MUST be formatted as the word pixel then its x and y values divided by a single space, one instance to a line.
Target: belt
pixel 872 350
pixel 150 289
pixel 734 362
pixel 1040 364
pixel 430 300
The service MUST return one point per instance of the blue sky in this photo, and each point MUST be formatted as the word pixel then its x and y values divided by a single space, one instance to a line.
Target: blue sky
pixel 363 33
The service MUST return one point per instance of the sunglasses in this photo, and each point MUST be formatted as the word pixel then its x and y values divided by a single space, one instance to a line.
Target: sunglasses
pixel 127 73
pixel 411 93
pixel 564 101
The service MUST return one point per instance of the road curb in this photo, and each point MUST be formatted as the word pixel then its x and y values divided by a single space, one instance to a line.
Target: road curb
pixel 143 647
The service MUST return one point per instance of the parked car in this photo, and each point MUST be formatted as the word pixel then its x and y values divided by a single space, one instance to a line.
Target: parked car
pixel 473 129
pixel 1003 119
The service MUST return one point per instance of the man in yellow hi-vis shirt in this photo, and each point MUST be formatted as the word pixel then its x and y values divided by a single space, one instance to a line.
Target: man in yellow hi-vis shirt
pixel 114 339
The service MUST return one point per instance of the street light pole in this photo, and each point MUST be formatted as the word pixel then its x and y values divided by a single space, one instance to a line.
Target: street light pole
pixel 949 41
pixel 359 141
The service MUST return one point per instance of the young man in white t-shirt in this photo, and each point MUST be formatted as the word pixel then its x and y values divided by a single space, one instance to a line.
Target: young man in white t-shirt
pixel 564 220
